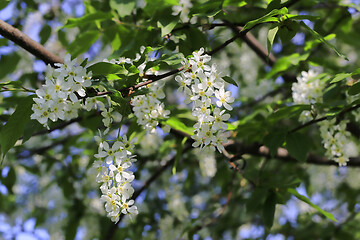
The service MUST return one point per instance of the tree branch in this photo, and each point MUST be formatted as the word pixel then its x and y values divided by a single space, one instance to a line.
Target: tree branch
pixel 39 51
pixel 63 125
pixel 283 155
pixel 154 78
pixel 28 44
pixel 340 115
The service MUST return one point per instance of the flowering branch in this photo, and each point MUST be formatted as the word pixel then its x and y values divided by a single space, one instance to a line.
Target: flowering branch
pixel 38 50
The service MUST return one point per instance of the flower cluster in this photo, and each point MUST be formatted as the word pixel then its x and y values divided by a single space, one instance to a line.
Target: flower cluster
pixel 58 98
pixel 308 90
pixel 148 108
pixel 335 138
pixel 113 163
pixel 202 84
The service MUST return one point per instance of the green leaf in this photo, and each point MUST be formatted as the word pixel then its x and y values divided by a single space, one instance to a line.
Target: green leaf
pixel 45 34
pixel 257 197
pixel 173 59
pixel 331 94
pixel 274 140
pixel 230 80
pixel 116 42
pixel 154 7
pixel 83 42
pixel 237 3
pixel 284 63
pixel 9 180
pixel 8 64
pixel 195 39
pixel 269 209
pixel 11 83
pixel 176 124
pixel 354 89
pixel 120 104
pixel 207 9
pixel 167 24
pixel 271 36
pixel 62 38
pixel 267 18
pixel 306 200
pixel 320 38
pixel 179 151
pixel 298 145
pixel 14 127
pixel 31 127
pixel 142 91
pixel 273 4
pixel 310 44
pixel 340 76
pixel 88 18
pixel 3 41
pixel 356 72
pixel 4 3
pixel 232 126
pixel 301 17
pixel 75 214
pixel 123 7
pixel 83 63
pixel 288 112
pixel 288 31
pixel 105 68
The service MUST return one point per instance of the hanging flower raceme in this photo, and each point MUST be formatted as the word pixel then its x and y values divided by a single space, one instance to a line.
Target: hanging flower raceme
pixel 308 90
pixel 203 86
pixel 59 98
pixel 335 138
pixel 112 164
pixel 148 108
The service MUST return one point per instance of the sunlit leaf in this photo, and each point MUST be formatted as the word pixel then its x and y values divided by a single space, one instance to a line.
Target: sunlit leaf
pixel 306 200
pixel 14 127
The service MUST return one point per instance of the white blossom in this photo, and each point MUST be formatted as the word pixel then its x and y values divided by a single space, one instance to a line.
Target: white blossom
pixel 113 166
pixel 202 84
pixel 224 98
pixel 58 98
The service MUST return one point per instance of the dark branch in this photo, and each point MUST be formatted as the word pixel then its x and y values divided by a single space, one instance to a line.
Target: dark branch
pixel 283 155
pixel 153 78
pixel 63 125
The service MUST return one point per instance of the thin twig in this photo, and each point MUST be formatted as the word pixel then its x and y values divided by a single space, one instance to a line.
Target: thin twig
pixel 340 115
